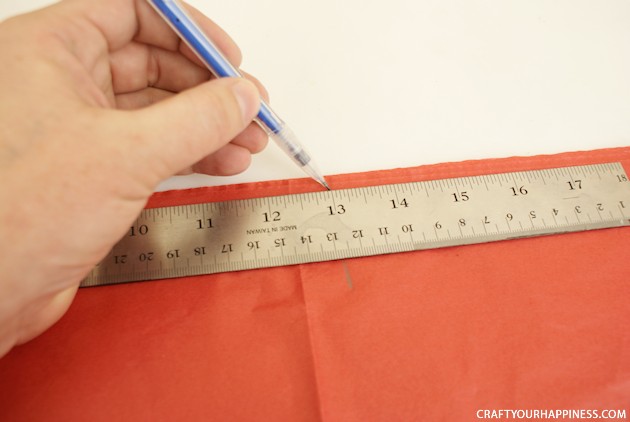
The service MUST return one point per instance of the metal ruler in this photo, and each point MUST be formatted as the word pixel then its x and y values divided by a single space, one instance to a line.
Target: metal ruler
pixel 321 226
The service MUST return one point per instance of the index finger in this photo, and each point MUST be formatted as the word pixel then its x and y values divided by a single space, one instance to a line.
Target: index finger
pixel 149 35
pixel 121 21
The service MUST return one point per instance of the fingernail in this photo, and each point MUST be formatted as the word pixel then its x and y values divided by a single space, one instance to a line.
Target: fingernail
pixel 247 97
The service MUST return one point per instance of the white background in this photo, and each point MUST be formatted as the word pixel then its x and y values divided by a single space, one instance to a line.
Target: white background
pixel 383 84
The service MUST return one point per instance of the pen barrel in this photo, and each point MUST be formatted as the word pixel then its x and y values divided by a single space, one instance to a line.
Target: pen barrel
pixel 173 13
pixel 268 119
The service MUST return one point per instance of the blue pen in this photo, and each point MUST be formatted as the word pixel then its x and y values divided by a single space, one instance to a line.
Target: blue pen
pixel 174 14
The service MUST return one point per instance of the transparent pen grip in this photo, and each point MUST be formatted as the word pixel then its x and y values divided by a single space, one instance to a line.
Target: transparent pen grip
pixel 288 143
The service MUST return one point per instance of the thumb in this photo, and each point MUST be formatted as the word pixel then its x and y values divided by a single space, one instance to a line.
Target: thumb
pixel 180 131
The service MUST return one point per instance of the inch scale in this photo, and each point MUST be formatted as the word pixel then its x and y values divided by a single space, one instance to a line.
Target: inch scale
pixel 330 225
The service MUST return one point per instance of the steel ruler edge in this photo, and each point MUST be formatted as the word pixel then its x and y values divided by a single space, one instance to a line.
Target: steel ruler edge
pixel 320 226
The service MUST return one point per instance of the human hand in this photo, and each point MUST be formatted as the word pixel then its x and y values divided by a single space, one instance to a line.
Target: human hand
pixel 100 102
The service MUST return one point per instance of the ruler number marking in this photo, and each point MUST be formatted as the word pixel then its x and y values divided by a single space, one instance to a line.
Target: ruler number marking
pixel 398 204
pixel 140 230
pixel 461 196
pixel 204 224
pixel 519 191
pixel 271 216
pixel 336 210
pixel 145 256
pixel 120 259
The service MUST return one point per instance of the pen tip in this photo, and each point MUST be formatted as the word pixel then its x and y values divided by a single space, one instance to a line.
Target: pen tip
pixel 315 175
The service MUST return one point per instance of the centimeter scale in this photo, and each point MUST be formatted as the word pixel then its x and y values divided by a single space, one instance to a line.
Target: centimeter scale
pixel 330 225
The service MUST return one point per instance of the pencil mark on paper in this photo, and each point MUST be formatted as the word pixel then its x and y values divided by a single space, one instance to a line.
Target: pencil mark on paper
pixel 348 276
